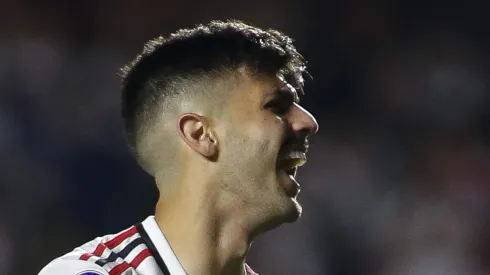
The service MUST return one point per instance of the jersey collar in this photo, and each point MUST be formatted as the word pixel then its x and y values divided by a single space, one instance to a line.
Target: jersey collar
pixel 162 246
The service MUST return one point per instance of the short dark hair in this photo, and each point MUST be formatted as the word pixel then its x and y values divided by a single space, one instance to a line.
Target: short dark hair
pixel 205 50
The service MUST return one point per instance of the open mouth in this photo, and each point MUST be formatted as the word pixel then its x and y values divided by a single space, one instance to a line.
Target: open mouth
pixel 290 162
pixel 289 184
pixel 291 171
pixel 290 158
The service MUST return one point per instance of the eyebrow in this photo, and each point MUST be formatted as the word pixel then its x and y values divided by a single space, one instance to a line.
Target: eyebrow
pixel 288 90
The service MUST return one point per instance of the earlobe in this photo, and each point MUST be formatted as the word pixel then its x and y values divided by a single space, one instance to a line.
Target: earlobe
pixel 196 133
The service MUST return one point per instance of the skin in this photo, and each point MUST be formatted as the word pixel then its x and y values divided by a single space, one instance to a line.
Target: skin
pixel 228 188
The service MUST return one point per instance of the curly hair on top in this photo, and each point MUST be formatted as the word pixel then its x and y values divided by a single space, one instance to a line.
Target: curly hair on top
pixel 204 50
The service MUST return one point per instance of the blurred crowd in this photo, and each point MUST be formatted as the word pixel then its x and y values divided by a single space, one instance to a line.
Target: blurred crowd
pixel 398 176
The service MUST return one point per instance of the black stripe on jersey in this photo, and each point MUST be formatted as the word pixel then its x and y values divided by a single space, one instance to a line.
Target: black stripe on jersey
pixel 112 258
pixel 122 254
pixel 132 245
pixel 153 249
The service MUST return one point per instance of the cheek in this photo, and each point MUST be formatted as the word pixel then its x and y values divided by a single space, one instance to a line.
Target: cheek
pixel 250 158
pixel 262 125
pixel 262 138
pixel 255 153
pixel 253 136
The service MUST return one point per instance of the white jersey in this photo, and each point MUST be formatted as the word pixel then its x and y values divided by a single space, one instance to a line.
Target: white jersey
pixel 141 249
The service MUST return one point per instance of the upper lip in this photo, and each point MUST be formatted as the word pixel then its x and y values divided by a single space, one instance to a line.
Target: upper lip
pixel 298 147
pixel 295 146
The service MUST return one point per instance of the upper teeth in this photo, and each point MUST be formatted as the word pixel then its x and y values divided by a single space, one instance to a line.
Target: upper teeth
pixel 299 156
pixel 296 155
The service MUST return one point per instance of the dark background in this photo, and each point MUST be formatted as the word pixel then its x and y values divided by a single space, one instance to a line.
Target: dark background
pixel 398 176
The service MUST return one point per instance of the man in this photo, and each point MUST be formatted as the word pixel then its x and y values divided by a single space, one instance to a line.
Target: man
pixel 212 114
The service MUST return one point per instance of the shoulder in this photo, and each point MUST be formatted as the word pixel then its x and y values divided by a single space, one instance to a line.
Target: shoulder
pixel 72 267
pixel 115 254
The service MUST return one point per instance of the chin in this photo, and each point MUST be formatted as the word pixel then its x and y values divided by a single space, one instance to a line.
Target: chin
pixel 289 211
pixel 293 212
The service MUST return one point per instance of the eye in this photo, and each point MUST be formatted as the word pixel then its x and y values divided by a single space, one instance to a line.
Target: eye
pixel 279 106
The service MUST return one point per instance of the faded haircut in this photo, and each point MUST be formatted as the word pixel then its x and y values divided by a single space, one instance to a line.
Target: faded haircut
pixel 169 67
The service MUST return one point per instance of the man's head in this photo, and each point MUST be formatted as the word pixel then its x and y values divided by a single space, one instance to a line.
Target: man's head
pixel 219 103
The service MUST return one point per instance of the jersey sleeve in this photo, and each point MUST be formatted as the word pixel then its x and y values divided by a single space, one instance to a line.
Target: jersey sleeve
pixel 72 267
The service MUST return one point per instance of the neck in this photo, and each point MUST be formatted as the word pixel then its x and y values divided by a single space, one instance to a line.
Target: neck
pixel 204 239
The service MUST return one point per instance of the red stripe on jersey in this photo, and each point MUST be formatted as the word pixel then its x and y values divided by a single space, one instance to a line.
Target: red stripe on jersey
pixel 120 238
pixel 119 269
pixel 110 244
pixel 140 257
pixel 97 252
pixel 86 256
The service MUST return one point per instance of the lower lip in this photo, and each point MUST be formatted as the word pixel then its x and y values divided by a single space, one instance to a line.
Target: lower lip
pixel 290 186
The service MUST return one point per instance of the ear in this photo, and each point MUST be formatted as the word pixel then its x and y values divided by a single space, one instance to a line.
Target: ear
pixel 195 131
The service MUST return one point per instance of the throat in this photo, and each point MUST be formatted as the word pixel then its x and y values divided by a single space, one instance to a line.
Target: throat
pixel 204 241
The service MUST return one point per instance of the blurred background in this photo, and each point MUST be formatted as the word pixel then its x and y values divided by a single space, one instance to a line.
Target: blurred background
pixel 398 177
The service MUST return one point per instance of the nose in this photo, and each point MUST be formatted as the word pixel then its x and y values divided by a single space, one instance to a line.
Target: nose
pixel 303 121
